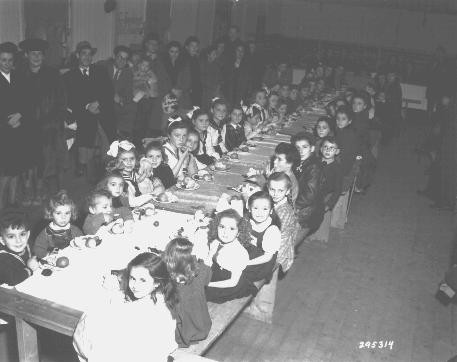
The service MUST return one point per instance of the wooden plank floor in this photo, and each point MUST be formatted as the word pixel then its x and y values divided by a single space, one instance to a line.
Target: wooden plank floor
pixel 373 281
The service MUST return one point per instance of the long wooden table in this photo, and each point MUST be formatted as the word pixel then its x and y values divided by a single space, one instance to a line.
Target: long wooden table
pixel 29 311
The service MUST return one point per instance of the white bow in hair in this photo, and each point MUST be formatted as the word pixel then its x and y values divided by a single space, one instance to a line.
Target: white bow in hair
pixel 215 99
pixel 114 147
pixel 173 120
pixel 191 112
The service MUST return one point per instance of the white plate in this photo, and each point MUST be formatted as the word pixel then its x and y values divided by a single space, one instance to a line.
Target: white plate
pixel 196 187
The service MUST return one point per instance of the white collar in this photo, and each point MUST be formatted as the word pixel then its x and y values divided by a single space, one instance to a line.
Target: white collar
pixel 55 227
pixel 7 76
pixel 235 125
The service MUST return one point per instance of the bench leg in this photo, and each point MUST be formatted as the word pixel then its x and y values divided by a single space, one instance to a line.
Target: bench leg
pixel 27 342
pixel 339 213
pixel 262 306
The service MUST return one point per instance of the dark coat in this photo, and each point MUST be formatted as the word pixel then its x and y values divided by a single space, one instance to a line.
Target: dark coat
pixel 237 82
pixel 13 156
pixel 123 87
pixel 310 199
pixel 272 77
pixel 82 91
pixel 46 111
pixel 211 77
pixel 195 86
pixel 349 148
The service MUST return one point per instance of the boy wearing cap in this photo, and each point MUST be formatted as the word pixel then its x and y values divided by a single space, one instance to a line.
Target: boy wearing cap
pixel 90 96
pixel 121 76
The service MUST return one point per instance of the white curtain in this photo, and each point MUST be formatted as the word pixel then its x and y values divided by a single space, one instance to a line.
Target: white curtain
pixel 11 21
pixel 90 22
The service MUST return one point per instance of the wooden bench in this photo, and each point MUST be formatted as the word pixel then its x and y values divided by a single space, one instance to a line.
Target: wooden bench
pixel 222 315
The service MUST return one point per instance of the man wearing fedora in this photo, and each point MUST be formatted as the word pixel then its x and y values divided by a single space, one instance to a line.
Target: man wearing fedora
pixel 46 110
pixel 90 97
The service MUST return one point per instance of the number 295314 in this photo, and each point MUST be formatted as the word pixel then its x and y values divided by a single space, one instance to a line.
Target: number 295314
pixel 376 344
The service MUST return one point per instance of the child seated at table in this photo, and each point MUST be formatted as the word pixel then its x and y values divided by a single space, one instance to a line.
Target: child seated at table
pixel 140 328
pixel 323 128
pixel 332 172
pixel 361 124
pixel 260 101
pixel 346 139
pixel 294 101
pixel 156 155
pixel 272 110
pixel 216 125
pixel 282 111
pixel 279 187
pixel 228 235
pixel 310 201
pixel 61 211
pixel 206 152
pixel 190 278
pixel 114 183
pixel 253 124
pixel 101 218
pixel 140 190
pixel 16 261
pixel 233 132
pixel 265 237
pixel 178 155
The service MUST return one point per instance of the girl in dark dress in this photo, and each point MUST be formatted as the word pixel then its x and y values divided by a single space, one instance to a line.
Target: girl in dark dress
pixel 266 237
pixel 190 277
pixel 228 235
pixel 154 152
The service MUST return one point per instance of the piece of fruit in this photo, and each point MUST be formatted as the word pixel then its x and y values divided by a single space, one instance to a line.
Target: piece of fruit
pixel 245 149
pixel 234 156
pixel 149 211
pixel 46 272
pixel 163 197
pixel 91 243
pixel 207 177
pixel 156 223
pixel 62 262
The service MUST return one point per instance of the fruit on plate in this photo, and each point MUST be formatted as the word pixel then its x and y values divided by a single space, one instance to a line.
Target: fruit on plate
pixel 91 243
pixel 79 242
pixel 244 149
pixel 220 165
pixel 234 156
pixel 189 183
pixel 62 262
pixel 163 197
pixel 149 211
pixel 207 177
pixel 118 228
pixel 202 172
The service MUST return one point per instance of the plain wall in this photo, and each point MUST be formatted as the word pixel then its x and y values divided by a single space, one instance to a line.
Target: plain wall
pixel 383 27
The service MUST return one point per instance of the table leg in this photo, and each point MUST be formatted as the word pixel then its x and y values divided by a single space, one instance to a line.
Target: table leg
pixel 27 342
